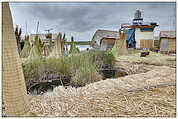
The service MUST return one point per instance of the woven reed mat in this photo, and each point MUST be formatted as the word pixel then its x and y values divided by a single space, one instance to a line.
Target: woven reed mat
pixel 13 84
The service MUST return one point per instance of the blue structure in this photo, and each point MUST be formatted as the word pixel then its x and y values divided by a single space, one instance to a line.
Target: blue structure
pixel 136 28
pixel 131 38
pixel 146 29
pixel 137 21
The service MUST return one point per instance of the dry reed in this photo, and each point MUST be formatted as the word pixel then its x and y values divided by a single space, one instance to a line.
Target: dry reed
pixel 153 59
pixel 110 98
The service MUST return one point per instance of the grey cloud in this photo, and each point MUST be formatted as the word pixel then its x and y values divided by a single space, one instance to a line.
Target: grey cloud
pixel 82 19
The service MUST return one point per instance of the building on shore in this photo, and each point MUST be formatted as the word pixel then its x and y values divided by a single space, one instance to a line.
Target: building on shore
pixel 45 38
pixel 104 39
pixel 42 37
pixel 167 41
pixel 140 34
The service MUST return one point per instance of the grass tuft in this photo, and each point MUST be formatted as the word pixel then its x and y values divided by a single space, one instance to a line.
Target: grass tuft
pixel 83 68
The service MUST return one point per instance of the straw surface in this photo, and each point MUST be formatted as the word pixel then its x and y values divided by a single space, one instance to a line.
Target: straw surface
pixel 153 58
pixel 13 84
pixel 110 98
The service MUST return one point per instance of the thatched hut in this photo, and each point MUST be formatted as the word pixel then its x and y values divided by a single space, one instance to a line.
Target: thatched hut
pixel 103 39
pixel 167 41
pixel 107 43
pixel 56 51
pixel 26 49
pixel 36 50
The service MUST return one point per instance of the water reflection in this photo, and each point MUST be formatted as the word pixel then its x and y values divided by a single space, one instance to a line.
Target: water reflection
pixel 81 47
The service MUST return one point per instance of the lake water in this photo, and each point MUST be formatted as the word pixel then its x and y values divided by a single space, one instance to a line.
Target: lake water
pixel 81 47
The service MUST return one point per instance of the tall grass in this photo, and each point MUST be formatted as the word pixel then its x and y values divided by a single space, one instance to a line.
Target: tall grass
pixel 84 72
pixel 103 60
pixel 33 69
pixel 83 68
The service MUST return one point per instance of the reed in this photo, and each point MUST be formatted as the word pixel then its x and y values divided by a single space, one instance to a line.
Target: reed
pixel 26 49
pixel 73 48
pixel 83 68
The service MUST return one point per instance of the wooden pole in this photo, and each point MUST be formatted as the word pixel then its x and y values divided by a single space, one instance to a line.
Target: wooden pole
pixel 37 27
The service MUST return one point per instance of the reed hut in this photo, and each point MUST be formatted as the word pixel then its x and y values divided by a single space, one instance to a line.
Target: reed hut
pixel 26 49
pixel 56 51
pixel 104 39
pixel 14 91
pixel 46 50
pixel 36 50
pixel 167 41
pixel 123 47
pixel 107 43
pixel 120 46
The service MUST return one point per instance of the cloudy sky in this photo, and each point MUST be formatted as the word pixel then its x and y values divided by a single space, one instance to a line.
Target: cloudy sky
pixel 82 19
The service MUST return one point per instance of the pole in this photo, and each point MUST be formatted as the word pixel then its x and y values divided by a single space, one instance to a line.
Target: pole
pixel 26 26
pixel 37 27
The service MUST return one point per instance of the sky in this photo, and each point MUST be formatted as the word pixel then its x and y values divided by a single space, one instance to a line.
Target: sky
pixel 82 19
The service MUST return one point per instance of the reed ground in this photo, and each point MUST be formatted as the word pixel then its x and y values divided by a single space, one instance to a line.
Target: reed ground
pixel 110 97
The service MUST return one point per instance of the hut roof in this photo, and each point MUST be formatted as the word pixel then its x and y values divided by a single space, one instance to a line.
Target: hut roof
pixel 99 34
pixel 143 25
pixel 107 33
pixel 167 34
pixel 106 38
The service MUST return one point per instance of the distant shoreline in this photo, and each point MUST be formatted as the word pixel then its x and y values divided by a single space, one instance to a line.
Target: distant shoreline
pixel 80 43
